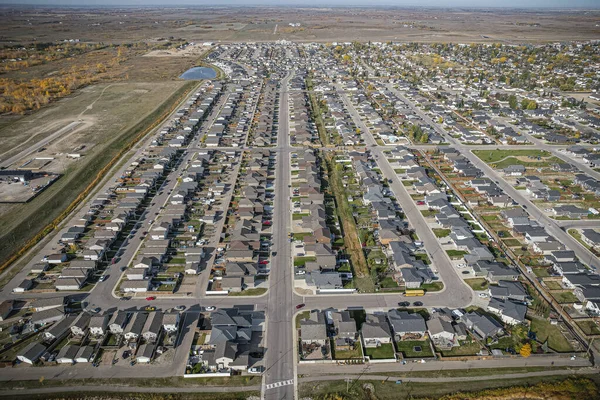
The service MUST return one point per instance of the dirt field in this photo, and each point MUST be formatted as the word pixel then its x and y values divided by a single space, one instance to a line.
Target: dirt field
pixel 200 24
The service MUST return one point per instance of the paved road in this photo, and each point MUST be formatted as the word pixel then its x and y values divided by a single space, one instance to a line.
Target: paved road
pixel 552 227
pixel 279 356
pixel 456 292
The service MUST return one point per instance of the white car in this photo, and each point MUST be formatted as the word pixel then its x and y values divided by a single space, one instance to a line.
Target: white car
pixel 483 295
pixel 210 308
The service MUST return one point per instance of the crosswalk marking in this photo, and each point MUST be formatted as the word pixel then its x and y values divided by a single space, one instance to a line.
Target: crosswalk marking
pixel 279 384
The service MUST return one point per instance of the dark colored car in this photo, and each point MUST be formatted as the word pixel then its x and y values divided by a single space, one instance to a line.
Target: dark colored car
pixel 417 304
pixel 299 306
pixel 404 304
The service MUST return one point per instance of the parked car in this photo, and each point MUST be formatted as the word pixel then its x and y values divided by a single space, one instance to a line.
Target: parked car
pixel 404 304
pixel 150 308
pixel 418 304
pixel 149 298
pixel 210 308
pixel 179 308
pixel 299 306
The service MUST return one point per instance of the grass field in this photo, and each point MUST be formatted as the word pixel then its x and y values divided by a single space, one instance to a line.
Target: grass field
pixel 456 254
pixel 493 156
pixel 553 386
pixel 249 292
pixel 545 331
pixel 477 283
pixel 465 349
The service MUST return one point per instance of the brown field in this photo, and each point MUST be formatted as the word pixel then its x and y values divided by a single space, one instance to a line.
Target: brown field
pixel 317 24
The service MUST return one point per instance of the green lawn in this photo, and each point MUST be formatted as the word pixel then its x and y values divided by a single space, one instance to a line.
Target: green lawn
pixel 456 254
pixel 552 285
pixel 429 213
pixel 299 261
pixel 298 216
pixel 489 217
pixel 249 292
pixel 466 348
pixel 490 156
pixel 433 286
pixel 545 331
pixel 512 242
pixel 388 282
pixel 302 315
pixel 565 297
pixel 440 233
pixel 406 347
pixel 347 354
pixel 384 351
pixel 589 327
pixel 477 283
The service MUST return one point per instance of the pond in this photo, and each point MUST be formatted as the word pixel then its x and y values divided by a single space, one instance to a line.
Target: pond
pixel 199 73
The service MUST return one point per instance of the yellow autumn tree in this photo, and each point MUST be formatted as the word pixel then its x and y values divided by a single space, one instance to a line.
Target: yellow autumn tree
pixel 525 350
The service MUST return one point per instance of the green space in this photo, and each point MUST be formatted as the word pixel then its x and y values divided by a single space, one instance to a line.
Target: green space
pixel 407 348
pixel 300 316
pixel 440 233
pixel 551 387
pixel 491 156
pixel 300 261
pixel 565 297
pixel 298 216
pixel 589 327
pixel 511 242
pixel 477 283
pixel 553 285
pixel 356 352
pixel 433 286
pixel 489 218
pixel 388 282
pixel 466 348
pixel 384 351
pixel 456 254
pixel 546 331
pixel 249 292
pixel 429 213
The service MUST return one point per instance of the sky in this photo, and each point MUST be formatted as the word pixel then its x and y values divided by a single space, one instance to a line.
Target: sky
pixel 421 3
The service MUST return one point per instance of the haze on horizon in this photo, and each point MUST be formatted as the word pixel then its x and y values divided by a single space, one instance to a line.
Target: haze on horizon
pixel 567 4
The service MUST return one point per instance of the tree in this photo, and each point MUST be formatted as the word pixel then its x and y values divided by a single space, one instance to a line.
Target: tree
pixel 525 350
pixel 512 102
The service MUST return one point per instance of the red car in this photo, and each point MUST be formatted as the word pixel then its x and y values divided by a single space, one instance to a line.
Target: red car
pixel 299 306
pixel 420 202
pixel 266 222
pixel 151 298
pixel 264 262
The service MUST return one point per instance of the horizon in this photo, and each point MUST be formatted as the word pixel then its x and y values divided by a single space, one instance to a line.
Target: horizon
pixel 547 5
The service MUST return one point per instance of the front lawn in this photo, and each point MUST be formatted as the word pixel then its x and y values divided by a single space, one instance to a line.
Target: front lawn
pixel 477 283
pixel 385 351
pixel 407 348
pixel 249 292
pixel 432 287
pixel 440 233
pixel 456 254
pixel 300 261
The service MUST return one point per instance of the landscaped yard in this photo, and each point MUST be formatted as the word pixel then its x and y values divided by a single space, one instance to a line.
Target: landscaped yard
pixel 465 349
pixel 300 261
pixel 477 283
pixel 589 327
pixel 382 352
pixel 347 354
pixel 546 331
pixel 440 233
pixel 429 213
pixel 388 282
pixel 407 348
pixel 565 297
pixel 433 286
pixel 456 254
